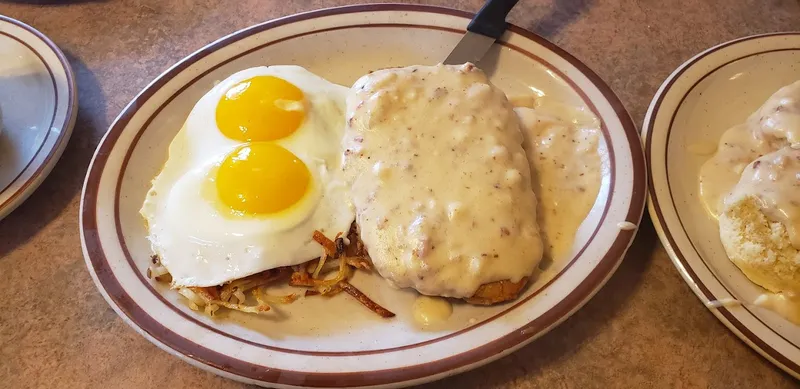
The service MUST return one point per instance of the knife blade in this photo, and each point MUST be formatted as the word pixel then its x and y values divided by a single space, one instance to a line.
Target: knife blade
pixel 486 27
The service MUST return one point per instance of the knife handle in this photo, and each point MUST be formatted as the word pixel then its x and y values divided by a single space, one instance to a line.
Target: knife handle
pixel 491 19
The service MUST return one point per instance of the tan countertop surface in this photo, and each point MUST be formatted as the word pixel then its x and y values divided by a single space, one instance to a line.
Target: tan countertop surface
pixel 645 328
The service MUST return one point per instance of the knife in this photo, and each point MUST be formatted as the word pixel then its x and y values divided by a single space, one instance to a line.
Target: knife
pixel 487 26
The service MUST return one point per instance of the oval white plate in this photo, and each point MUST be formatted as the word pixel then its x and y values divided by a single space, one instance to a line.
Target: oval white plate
pixel 337 343
pixel 704 97
pixel 38 106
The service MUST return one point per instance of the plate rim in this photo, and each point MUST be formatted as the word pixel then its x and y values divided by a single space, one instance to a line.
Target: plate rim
pixel 573 300
pixel 59 145
pixel 684 267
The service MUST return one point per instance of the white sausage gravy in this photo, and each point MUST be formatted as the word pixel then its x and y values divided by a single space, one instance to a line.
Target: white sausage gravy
pixel 440 182
pixel 562 144
pixel 773 126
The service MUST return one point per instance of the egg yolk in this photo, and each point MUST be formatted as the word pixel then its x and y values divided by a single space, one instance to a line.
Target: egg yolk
pixel 261 108
pixel 261 178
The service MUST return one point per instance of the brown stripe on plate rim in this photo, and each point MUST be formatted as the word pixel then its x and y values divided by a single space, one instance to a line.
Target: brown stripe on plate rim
pixel 576 298
pixel 745 332
pixel 194 320
pixel 68 115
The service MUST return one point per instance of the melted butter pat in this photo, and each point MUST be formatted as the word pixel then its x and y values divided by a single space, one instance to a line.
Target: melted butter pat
pixel 784 304
pixel 775 125
pixel 431 310
pixel 774 181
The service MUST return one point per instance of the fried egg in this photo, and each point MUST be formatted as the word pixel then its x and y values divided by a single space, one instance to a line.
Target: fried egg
pixel 251 175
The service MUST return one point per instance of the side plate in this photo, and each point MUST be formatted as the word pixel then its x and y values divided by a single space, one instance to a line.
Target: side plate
pixel 705 96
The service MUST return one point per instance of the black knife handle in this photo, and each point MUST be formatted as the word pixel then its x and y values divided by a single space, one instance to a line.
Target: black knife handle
pixel 491 19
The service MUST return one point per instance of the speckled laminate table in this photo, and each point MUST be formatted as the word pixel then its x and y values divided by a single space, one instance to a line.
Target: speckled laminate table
pixel 644 329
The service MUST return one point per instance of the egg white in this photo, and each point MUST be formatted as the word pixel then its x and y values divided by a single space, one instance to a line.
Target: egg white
pixel 188 227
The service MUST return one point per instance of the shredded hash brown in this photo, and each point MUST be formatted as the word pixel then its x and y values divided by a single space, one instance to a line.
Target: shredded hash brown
pixel 324 276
